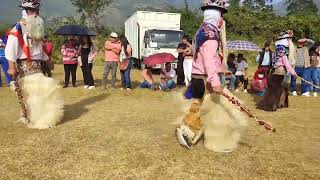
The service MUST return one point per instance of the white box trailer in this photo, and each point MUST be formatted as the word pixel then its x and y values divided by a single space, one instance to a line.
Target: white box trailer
pixel 153 32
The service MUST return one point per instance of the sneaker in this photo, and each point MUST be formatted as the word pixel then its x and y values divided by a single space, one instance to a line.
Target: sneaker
pixel 86 87
pixel 91 87
pixel 182 139
pixel 294 93
pixel 245 91
pixel 306 94
pixel 129 89
pixel 237 90
pixel 12 86
pixel 315 94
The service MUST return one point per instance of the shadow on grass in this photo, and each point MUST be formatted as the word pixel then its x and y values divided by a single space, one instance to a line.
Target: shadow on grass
pixel 76 110
pixel 134 84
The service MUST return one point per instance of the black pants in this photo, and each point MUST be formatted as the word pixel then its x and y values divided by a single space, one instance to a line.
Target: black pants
pixel 243 80
pixel 70 69
pixel 198 88
pixel 87 74
pixel 180 73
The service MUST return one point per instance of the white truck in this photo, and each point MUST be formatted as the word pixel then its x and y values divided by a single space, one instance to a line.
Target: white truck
pixel 151 33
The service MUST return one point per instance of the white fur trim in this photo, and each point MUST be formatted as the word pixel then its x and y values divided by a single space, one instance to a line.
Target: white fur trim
pixel 43 99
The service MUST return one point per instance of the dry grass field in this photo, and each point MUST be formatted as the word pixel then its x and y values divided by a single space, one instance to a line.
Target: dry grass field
pixel 130 135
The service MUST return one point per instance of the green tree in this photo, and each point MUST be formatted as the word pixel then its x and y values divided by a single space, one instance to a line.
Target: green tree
pixel 301 7
pixel 90 10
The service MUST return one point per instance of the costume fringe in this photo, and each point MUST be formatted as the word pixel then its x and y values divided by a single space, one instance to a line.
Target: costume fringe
pixel 224 123
pixel 44 101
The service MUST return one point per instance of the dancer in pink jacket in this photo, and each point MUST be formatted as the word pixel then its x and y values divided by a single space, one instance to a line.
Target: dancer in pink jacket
pixel 207 65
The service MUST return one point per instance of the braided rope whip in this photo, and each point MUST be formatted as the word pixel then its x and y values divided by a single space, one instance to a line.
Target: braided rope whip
pixel 308 82
pixel 267 125
pixel 21 101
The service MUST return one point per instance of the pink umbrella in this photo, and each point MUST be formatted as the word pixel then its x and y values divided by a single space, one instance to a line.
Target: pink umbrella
pixel 159 58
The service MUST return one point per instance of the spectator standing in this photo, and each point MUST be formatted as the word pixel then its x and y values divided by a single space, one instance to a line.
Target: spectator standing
pixel 265 57
pixel 47 66
pixel 88 52
pixel 187 63
pixel 125 63
pixel 70 52
pixel 112 52
pixel 4 63
pixel 315 67
pixel 302 67
pixel 180 72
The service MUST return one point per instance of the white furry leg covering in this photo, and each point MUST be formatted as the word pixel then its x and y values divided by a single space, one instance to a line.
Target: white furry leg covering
pixel 43 99
pixel 224 123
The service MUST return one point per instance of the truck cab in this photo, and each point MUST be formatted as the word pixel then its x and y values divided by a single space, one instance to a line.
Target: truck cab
pixel 150 33
pixel 160 41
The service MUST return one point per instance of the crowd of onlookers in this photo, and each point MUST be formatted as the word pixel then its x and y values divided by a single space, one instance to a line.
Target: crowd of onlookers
pixel 80 51
pixel 118 51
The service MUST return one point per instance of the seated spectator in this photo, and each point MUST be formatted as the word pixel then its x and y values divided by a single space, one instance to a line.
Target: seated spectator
pixel 260 82
pixel 167 75
pixel 148 81
pixel 227 78
pixel 230 62
pixel 241 73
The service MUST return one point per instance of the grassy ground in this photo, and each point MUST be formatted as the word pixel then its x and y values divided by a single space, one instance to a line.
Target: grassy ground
pixel 130 135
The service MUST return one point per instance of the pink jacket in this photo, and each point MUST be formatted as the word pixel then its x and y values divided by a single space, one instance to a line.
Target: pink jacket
pixel 209 63
pixel 70 54
pixel 285 62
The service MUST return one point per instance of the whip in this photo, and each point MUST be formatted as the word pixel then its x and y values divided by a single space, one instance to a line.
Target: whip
pixel 267 125
pixel 308 82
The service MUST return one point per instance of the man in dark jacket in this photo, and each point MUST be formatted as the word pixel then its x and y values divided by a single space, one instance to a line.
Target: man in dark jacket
pixel 265 57
pixel 181 49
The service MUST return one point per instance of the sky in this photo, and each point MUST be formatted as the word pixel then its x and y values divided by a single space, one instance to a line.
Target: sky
pixel 115 14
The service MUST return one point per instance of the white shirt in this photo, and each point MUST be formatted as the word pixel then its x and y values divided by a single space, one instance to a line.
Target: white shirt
pixel 171 73
pixel 241 66
pixel 123 55
pixel 13 50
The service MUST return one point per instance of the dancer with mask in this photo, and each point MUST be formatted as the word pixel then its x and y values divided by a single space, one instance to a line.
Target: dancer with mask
pixel 276 95
pixel 39 96
pixel 207 64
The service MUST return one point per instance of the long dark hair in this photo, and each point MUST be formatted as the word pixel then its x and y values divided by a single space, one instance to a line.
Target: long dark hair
pixel 125 43
pixel 89 41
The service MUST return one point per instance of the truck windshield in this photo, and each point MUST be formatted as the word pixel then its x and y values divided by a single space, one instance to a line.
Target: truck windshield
pixel 166 38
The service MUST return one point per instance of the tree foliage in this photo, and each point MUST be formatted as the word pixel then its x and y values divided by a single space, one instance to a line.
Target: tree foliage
pixel 90 10
pixel 301 7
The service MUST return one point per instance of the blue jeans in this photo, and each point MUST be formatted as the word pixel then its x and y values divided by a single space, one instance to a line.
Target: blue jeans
pixel 232 80
pixel 125 76
pixel 146 84
pixel 5 66
pixel 305 73
pixel 315 77
pixel 169 85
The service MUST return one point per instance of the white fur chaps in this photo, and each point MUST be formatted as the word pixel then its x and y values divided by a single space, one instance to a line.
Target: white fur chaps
pixel 224 123
pixel 43 100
